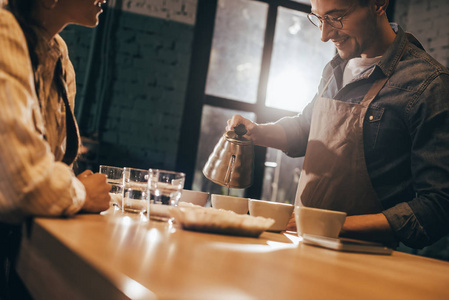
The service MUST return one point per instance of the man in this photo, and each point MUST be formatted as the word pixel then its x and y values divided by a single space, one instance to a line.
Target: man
pixel 376 135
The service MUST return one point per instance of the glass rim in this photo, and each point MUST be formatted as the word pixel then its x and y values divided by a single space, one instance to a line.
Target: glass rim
pixel 167 171
pixel 134 169
pixel 110 167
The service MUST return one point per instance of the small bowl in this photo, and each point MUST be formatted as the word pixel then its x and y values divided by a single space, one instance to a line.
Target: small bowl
pixel 194 197
pixel 235 204
pixel 279 212
pixel 316 221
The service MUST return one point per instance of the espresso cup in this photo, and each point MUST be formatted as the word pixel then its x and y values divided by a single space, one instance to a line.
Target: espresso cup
pixel 318 221
pixel 279 212
pixel 236 204
pixel 194 197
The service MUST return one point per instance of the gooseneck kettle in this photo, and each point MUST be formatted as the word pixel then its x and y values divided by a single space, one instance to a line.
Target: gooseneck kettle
pixel 231 163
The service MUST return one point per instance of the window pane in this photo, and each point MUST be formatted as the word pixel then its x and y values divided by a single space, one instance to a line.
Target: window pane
pixel 213 123
pixel 236 53
pixel 298 59
pixel 281 176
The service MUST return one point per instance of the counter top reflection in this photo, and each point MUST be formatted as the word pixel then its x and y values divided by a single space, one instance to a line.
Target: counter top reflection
pixel 116 256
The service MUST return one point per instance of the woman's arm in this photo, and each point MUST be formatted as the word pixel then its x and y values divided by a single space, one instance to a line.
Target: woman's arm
pixel 31 181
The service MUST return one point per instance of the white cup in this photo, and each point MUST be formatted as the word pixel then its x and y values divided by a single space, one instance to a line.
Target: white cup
pixel 279 212
pixel 194 197
pixel 318 221
pixel 235 204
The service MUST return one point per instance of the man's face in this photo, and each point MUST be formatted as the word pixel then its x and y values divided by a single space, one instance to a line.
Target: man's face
pixel 358 35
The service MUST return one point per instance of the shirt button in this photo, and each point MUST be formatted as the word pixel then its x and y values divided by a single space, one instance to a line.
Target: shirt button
pixel 371 118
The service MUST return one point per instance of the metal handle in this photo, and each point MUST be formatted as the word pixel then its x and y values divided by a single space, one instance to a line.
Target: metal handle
pixel 240 130
pixel 229 171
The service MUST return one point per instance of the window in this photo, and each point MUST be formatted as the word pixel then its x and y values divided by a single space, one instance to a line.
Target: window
pixel 298 58
pixel 237 47
pixel 265 62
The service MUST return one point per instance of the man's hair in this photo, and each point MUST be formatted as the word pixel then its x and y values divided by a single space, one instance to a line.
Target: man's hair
pixel 364 2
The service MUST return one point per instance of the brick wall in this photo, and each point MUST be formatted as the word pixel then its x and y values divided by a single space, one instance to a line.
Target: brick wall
pixel 144 99
pixel 428 20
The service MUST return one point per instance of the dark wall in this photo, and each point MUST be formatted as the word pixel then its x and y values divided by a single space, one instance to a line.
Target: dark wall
pixel 133 105
pixel 428 21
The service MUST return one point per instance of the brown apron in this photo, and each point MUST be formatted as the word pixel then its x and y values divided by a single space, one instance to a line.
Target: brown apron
pixel 334 174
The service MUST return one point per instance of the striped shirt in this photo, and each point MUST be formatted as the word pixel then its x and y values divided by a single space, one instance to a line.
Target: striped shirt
pixel 33 180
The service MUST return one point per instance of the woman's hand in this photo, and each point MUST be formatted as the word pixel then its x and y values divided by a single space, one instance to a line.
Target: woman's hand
pixel 97 191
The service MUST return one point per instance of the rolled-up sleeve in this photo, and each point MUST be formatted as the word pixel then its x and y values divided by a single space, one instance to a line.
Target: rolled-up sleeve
pixel 297 128
pixel 297 131
pixel 425 219
pixel 31 181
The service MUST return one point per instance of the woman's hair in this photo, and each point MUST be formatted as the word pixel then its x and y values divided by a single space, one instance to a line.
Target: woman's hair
pixel 23 12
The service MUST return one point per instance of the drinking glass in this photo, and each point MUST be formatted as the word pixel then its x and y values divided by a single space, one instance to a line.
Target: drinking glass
pixel 165 189
pixel 135 191
pixel 114 176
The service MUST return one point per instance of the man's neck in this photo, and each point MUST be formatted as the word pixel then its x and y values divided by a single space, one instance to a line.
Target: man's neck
pixel 385 36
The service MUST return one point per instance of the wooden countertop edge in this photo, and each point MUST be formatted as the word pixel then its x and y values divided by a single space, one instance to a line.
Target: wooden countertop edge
pixel 82 277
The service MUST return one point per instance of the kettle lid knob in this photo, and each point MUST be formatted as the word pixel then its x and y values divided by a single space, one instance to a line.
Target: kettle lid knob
pixel 240 130
pixel 237 135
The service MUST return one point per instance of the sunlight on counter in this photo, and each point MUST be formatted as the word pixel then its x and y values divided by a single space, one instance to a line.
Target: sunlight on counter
pixel 136 291
pixel 270 246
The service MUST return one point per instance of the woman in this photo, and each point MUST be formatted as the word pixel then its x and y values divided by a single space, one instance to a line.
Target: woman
pixel 39 137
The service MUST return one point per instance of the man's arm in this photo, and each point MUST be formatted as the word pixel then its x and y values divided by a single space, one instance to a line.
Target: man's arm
pixel 422 220
pixel 374 227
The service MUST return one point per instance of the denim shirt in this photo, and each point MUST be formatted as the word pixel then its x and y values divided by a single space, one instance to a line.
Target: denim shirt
pixel 406 137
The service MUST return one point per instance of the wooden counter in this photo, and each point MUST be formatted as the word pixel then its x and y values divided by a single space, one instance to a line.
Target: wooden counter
pixel 118 257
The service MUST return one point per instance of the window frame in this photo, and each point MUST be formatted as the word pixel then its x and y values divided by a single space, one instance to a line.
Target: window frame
pixel 196 95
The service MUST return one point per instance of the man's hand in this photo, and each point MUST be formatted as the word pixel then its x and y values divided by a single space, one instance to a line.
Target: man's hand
pixel 266 135
pixel 291 226
pixel 251 127
pixel 97 191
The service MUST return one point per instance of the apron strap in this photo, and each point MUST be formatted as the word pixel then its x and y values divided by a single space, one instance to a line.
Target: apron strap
pixel 326 86
pixel 379 84
pixel 71 150
pixel 374 90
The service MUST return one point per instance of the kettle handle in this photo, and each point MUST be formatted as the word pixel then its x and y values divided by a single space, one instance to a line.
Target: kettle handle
pixel 229 171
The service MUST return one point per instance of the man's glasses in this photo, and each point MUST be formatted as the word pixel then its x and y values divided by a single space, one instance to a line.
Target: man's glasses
pixel 335 22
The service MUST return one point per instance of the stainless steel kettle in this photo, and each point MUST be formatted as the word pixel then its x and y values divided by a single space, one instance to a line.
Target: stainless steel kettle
pixel 231 163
